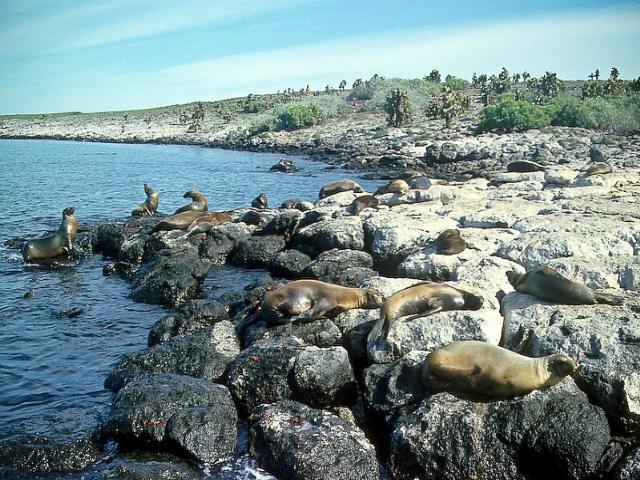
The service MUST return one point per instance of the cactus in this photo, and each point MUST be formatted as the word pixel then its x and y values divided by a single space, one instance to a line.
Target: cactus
pixel 591 89
pixel 525 76
pixel 357 84
pixel 448 106
pixel 615 74
pixel 516 78
pixel 398 108
pixel 474 80
pixel 434 76
pixel 343 85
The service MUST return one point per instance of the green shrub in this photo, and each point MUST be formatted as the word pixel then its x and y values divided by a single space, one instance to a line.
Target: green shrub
pixel 419 93
pixel 454 83
pixel 255 106
pixel 296 115
pixel 618 114
pixel 507 115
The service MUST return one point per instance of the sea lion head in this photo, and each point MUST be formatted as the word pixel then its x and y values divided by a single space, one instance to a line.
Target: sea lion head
pixel 193 194
pixel 513 278
pixel 472 302
pixel 561 365
pixel 68 212
pixel 373 298
pixel 146 189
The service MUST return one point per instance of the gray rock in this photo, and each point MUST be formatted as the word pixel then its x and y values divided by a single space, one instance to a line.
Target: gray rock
pixel 222 239
pixel 321 333
pixel 288 263
pixel 110 237
pixel 257 251
pixel 149 466
pixel 203 354
pixel 261 373
pixel 190 316
pixel 294 441
pixel 283 223
pixel 143 413
pixel 552 433
pixel 342 233
pixel 629 467
pixel 597 154
pixel 207 434
pixel 170 279
pixel 351 277
pixel 323 377
pixel 332 263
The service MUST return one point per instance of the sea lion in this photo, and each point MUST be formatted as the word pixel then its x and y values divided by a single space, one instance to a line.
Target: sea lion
pixel 297 205
pixel 362 202
pixel 203 223
pixel 419 183
pixel 395 186
pixel 421 300
pixel 343 185
pixel 450 242
pixel 525 166
pixel 150 205
pixel 600 168
pixel 550 286
pixel 178 221
pixel 56 244
pixel 253 217
pixel 307 300
pixel 479 368
pixel 199 203
pixel 260 201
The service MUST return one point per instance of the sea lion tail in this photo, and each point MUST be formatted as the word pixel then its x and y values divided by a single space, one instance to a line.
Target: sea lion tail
pixel 609 299
pixel 379 331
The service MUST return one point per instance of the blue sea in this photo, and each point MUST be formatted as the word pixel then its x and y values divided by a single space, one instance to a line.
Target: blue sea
pixel 52 367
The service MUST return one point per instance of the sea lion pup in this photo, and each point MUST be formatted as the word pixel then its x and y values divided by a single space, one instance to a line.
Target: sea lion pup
pixel 307 300
pixel 150 205
pixel 395 186
pixel 179 221
pixel 56 244
pixel 253 217
pixel 260 201
pixel 362 202
pixel 199 203
pixel 600 168
pixel 525 166
pixel 450 242
pixel 479 368
pixel 203 223
pixel 421 300
pixel 550 286
pixel 343 185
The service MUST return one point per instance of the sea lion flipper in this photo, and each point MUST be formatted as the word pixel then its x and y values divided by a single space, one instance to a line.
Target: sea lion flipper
pixel 608 298
pixel 379 331
pixel 433 310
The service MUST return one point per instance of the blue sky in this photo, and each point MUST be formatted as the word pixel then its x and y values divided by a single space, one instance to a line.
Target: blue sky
pixel 96 55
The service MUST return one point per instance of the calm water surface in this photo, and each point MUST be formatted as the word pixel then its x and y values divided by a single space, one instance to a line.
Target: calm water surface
pixel 51 367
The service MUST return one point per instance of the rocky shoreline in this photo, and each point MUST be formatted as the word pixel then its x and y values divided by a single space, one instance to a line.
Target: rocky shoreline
pixel 313 403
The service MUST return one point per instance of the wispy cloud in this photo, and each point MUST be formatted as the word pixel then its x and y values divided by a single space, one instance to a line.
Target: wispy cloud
pixel 565 43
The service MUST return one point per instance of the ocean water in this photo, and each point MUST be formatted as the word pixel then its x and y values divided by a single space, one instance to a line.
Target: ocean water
pixel 52 367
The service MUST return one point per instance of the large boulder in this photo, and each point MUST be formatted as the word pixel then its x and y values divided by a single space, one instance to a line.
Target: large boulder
pixel 321 333
pixel 288 263
pixel 257 251
pixel 332 263
pixel 294 441
pixel 602 338
pixel 552 433
pixel 168 411
pixel 341 233
pixel 203 354
pixel 170 278
pixel 110 237
pixel 222 239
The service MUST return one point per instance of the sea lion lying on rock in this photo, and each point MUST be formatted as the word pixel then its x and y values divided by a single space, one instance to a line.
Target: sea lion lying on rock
pixel 524 166
pixel 419 301
pixel 395 186
pixel 199 203
pixel 362 202
pixel 179 221
pixel 480 368
pixel 150 205
pixel 203 223
pixel 600 168
pixel 56 244
pixel 339 186
pixel 550 286
pixel 449 242
pixel 307 300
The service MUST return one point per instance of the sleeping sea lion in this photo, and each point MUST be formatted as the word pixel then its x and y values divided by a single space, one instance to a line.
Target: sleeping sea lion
pixel 56 244
pixel 307 300
pixel 483 369
pixel 395 186
pixel 550 286
pixel 450 242
pixel 339 186
pixel 362 202
pixel 179 221
pixel 419 301
pixel 203 223
pixel 199 203
pixel 600 168
pixel 260 201
pixel 150 205
pixel 253 217
pixel 525 166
